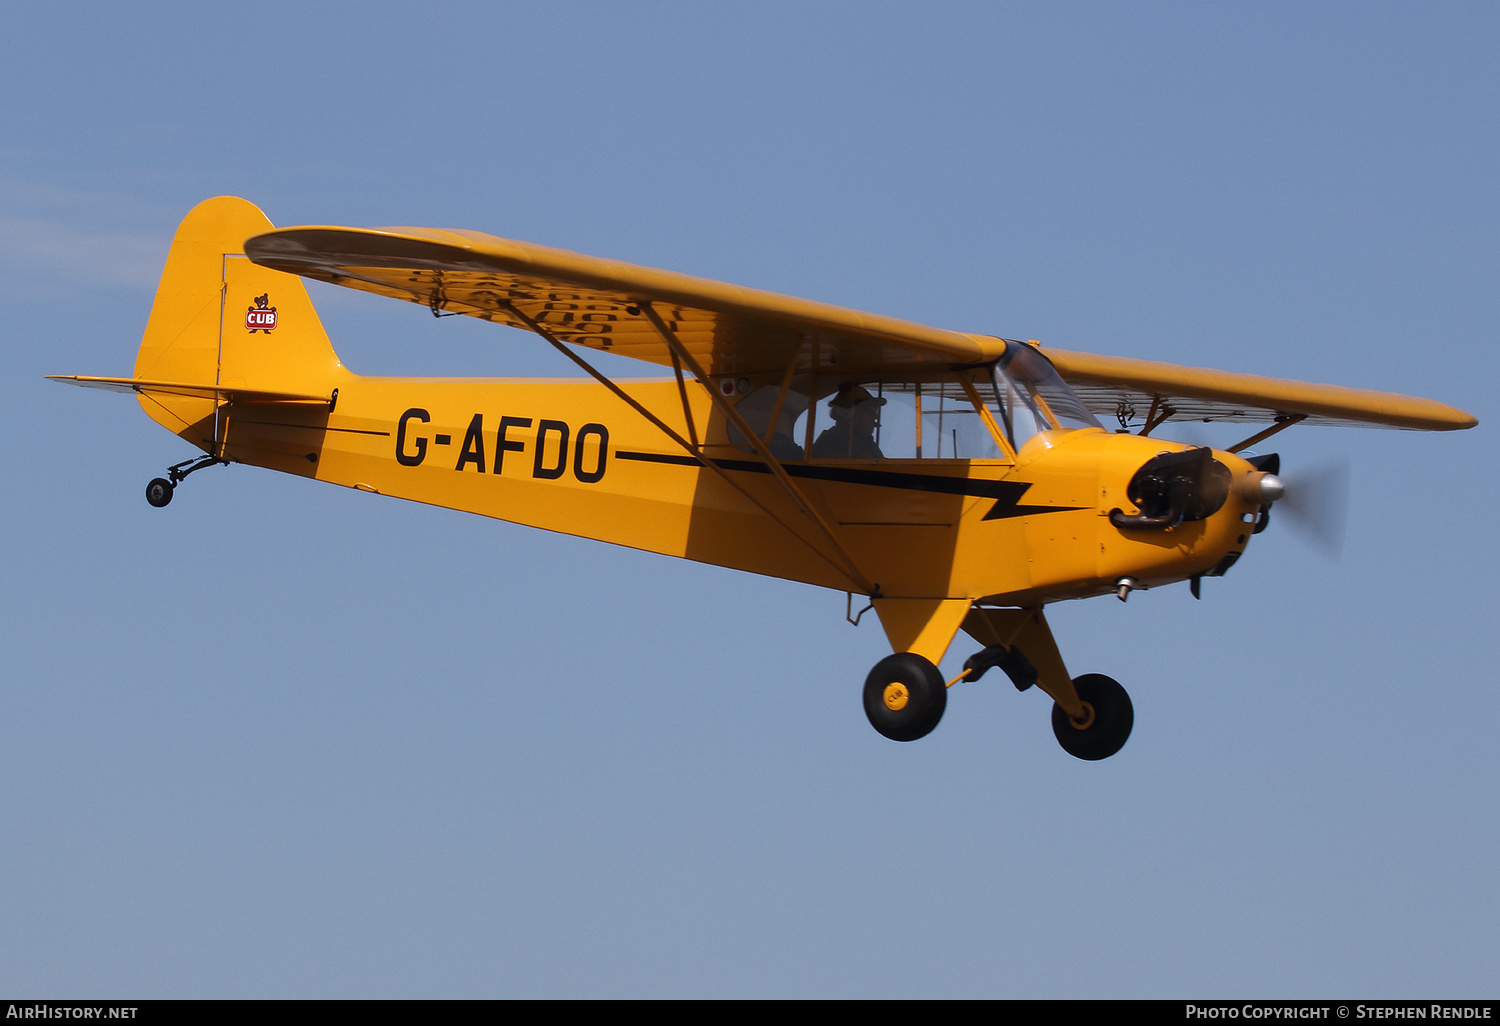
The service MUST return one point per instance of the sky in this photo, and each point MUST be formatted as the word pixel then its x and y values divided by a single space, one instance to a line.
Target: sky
pixel 283 739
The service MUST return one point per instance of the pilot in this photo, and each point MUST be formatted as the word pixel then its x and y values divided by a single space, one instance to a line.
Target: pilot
pixel 856 414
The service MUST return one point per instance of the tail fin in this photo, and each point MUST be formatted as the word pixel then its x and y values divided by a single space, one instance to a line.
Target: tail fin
pixel 222 322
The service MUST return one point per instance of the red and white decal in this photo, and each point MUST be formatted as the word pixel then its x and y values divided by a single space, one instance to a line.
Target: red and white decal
pixel 261 316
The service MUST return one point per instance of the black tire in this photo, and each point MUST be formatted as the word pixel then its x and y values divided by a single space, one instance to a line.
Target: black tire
pixel 905 696
pixel 159 492
pixel 1112 720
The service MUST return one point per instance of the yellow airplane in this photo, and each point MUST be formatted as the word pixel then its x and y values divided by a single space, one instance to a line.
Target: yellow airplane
pixel 954 481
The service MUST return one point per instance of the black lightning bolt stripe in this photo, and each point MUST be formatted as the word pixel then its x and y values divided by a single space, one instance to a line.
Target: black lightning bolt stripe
pixel 1007 494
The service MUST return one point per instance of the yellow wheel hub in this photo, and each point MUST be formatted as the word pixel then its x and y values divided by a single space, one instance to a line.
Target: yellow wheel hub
pixel 1088 718
pixel 896 696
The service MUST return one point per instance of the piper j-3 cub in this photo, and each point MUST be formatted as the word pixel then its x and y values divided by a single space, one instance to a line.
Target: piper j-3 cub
pixel 956 482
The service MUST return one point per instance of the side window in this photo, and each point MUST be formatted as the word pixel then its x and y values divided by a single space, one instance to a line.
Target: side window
pixel 952 428
pixel 905 420
pixel 849 425
pixel 775 424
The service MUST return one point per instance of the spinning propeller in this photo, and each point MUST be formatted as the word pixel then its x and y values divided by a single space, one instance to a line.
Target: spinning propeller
pixel 1317 504
pixel 1315 500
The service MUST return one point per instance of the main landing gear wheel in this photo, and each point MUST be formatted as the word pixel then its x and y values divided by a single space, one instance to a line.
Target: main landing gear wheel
pixel 1107 725
pixel 905 696
pixel 159 492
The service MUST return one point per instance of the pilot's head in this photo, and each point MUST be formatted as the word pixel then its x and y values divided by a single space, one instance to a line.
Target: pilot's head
pixel 854 401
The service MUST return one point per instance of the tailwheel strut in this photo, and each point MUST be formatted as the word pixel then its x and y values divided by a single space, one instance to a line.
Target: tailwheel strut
pixel 159 490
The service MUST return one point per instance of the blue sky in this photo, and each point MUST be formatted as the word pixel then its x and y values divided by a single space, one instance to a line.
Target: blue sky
pixel 283 739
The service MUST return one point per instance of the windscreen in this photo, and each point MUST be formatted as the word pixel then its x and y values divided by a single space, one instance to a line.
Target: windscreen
pixel 1032 396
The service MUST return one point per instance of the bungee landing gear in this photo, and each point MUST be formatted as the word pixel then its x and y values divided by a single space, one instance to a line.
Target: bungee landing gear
pixel 905 696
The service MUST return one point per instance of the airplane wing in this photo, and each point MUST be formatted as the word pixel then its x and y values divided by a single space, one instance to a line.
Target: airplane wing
pixel 597 303
pixel 1120 388
pixel 742 332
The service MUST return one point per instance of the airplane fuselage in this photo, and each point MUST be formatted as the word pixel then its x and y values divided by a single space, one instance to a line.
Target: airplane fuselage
pixel 569 456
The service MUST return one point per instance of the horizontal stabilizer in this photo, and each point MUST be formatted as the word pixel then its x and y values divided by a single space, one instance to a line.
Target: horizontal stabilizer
pixel 228 394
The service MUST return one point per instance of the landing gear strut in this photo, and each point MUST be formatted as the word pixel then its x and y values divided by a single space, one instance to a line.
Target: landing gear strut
pixel 159 490
pixel 905 694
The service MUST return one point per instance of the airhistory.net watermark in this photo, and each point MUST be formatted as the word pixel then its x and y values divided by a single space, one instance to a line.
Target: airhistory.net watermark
pixel 43 1010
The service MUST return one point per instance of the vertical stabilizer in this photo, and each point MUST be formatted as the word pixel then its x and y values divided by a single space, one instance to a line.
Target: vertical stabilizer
pixel 219 320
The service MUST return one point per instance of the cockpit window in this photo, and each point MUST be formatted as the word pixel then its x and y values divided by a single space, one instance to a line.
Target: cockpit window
pixel 934 420
pixel 877 420
pixel 965 415
pixel 772 413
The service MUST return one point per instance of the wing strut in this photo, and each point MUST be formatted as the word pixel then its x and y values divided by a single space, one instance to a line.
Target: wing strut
pixel 687 410
pixel 848 570
pixel 680 352
pixel 1281 423
pixel 1153 420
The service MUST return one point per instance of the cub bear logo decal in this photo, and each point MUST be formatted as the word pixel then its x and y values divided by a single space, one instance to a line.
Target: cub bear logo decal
pixel 261 317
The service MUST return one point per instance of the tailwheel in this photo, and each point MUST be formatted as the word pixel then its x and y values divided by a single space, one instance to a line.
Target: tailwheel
pixel 905 696
pixel 1106 724
pixel 159 492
